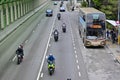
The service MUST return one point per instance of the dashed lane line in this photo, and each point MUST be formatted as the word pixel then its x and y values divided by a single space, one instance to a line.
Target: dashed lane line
pixel 78 67
pixel 75 51
pixel 76 56
pixel 76 61
pixel 74 48
pixel 14 58
pixel 79 74
pixel 26 41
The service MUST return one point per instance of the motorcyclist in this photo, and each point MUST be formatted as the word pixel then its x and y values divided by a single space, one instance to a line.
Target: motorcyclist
pixel 56 32
pixel 63 25
pixel 58 15
pixel 20 51
pixel 51 59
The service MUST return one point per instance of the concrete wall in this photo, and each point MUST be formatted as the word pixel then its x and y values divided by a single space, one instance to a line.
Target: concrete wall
pixel 12 11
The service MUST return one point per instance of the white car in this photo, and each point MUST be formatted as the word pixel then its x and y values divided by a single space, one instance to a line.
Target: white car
pixel 62 9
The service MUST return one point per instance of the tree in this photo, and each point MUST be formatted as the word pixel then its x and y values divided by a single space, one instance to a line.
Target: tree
pixel 109 7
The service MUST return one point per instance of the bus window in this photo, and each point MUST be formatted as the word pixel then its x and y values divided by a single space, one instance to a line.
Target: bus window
pixel 84 17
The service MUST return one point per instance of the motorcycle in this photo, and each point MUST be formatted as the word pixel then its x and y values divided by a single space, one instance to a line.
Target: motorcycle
pixel 58 16
pixel 51 68
pixel 19 59
pixel 56 36
pixel 64 28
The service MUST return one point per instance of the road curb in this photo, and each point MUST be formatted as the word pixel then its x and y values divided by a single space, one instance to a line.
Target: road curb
pixel 115 56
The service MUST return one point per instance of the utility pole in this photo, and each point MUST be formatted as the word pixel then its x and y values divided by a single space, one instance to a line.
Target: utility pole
pixel 119 22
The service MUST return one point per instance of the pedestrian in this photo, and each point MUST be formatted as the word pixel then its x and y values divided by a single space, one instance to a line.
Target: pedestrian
pixel 113 35
pixel 108 34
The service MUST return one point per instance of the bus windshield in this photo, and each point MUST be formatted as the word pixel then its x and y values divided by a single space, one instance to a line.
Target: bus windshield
pixel 95 33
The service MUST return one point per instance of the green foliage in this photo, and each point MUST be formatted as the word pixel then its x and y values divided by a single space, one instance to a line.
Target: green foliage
pixel 109 7
pixel 84 4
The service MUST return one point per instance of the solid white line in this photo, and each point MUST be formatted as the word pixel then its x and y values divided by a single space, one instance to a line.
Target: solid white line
pixel 76 61
pixel 51 37
pixel 79 74
pixel 14 58
pixel 78 67
pixel 38 76
pixel 41 75
pixel 49 45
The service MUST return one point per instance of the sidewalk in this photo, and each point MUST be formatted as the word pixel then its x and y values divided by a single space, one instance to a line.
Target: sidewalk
pixel 9 29
pixel 114 49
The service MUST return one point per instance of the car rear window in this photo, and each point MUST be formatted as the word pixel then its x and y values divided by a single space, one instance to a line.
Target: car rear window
pixel 49 11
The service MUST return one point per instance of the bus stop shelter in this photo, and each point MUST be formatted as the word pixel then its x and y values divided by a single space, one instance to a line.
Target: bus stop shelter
pixel 117 24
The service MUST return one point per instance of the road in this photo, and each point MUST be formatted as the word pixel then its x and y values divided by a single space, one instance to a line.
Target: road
pixel 73 60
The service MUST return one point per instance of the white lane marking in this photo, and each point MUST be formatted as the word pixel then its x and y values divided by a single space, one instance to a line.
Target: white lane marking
pixel 74 47
pixel 51 37
pixel 41 75
pixel 14 58
pixel 75 52
pixel 84 47
pixel 46 57
pixel 49 45
pixel 78 67
pixel 76 61
pixel 76 55
pixel 73 44
pixel 79 74
pixel 38 76
pixel 26 41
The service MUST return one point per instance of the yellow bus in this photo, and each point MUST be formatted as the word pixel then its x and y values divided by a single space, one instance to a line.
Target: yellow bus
pixel 92 27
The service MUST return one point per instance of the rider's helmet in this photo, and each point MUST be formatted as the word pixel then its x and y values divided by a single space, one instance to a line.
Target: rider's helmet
pixel 20 46
pixel 50 55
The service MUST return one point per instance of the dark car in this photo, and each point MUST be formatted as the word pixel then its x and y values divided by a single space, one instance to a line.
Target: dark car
pixel 55 3
pixel 49 12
